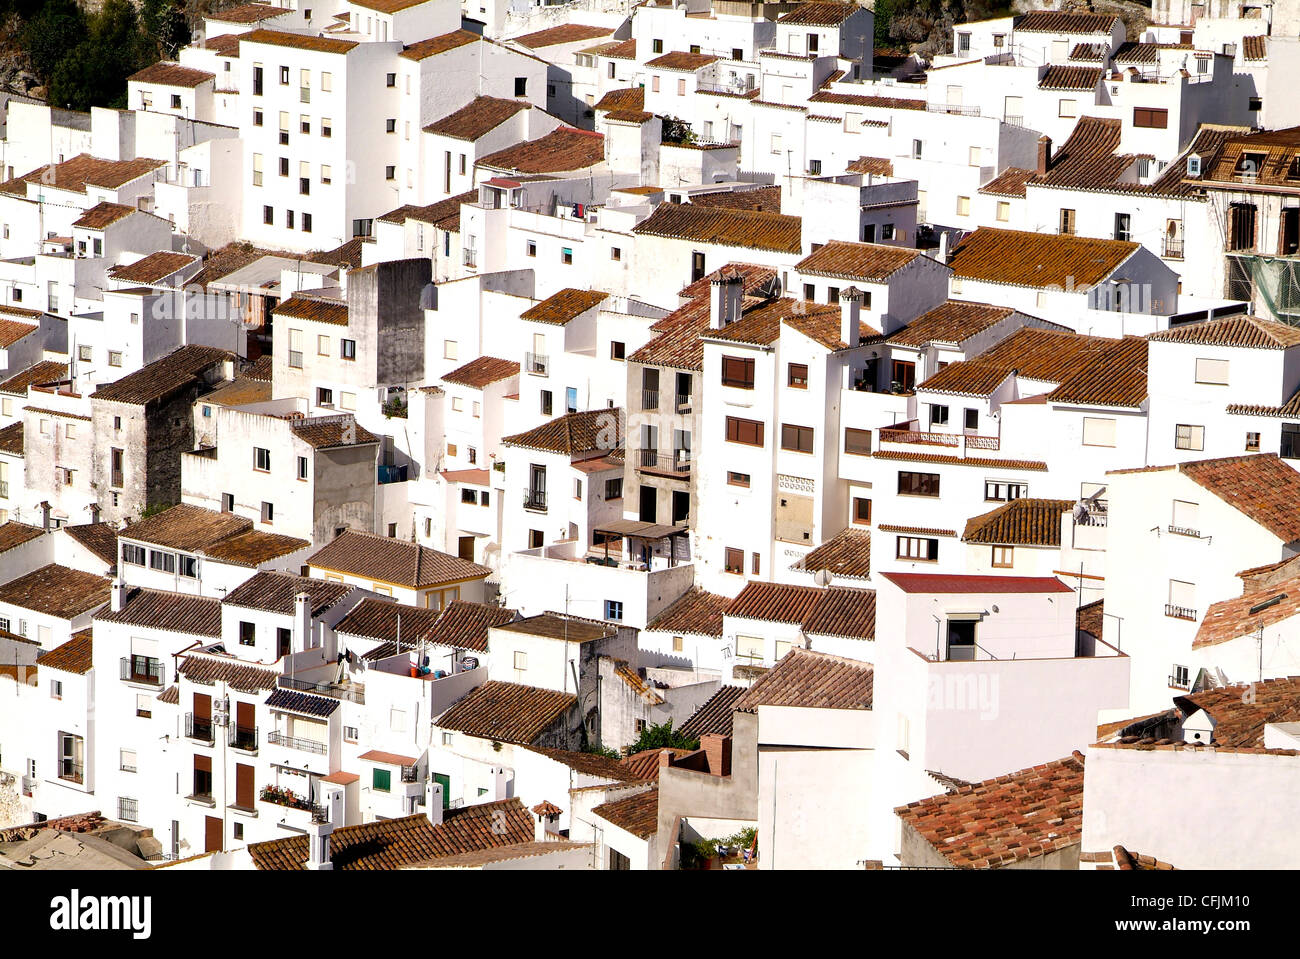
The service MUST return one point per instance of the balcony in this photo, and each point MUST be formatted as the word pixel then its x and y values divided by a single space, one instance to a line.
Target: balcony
pixel 677 465
pixel 392 474
pixel 649 399
pixel 1180 612
pixel 683 403
pixel 1184 531
pixel 469 258
pixel 72 771
pixel 1014 119
pixel 350 691
pixel 280 796
pixel 1180 682
pixel 954 108
pixel 242 737
pixel 142 670
pixel 277 738
pixel 535 500
pixel 1172 248
pixel 969 441
pixel 199 728
pixel 538 364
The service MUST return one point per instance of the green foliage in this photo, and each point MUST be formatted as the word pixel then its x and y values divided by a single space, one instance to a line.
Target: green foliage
pixel 884 11
pixel 155 509
pixel 696 854
pixel 596 749
pixel 662 736
pixel 677 132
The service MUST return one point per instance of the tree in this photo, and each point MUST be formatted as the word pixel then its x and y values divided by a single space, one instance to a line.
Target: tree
pixel 676 131
pixel 50 35
pixel 662 736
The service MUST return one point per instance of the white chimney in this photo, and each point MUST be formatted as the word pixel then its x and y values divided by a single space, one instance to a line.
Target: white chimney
pixel 545 813
pixel 851 315
pixel 1199 728
pixel 117 594
pixel 943 247
pixel 433 802
pixel 302 620
pixel 724 304
pixel 318 846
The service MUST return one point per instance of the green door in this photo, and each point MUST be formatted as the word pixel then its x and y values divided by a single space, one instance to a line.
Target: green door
pixel 445 782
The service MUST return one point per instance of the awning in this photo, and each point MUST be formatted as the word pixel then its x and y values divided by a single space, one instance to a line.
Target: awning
pixel 640 530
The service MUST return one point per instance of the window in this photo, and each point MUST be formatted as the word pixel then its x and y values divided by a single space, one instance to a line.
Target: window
pixel 738 372
pixel 546 402
pixel 268 512
pixel 521 659
pixel 917 484
pixel 1213 372
pixel 617 350
pixel 1187 437
pixel 815 167
pixel 284 166
pixel 56 689
pixel 614 610
pixel 1002 557
pixel 247 634
pixel 133 555
pixel 1150 118
pixel 284 76
pixel 737 479
pixel 1252 442
pixel 566 256
pixel 615 253
pixel 938 414
pixel 1067 108
pixel 734 560
pixel 381 780
pixel 1123 227
pixel 861 510
pixel 797 377
pixel 347 401
pixel 1098 431
pixel 302 467
pixel 126 760
pixel 1255 104
pixel 1067 222
pixel 747 432
pixel 390 125
pixel 857 441
pixel 970 419
pixel 326 127
pixel 996 491
pixel 163 562
pixel 390 173
pixel 1186 518
pixel 917 548
pixel 799 439
pixel 189 566
pixel 521 86
pixel 268 215
pixel 114 358
pixel 614 488
pixel 261 459
pixel 963 206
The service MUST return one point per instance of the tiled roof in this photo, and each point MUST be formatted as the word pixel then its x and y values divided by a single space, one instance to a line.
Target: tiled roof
pixel 812 680
pixel 872 262
pixel 637 814
pixel 274 592
pixel 290 700
pixel 334 312
pixel 102 214
pixel 388 6
pixel 1006 820
pixel 1019 258
pixel 1245 332
pixel 1243 710
pixel 982 462
pixel 1231 619
pixel 563 33
pixel 11 439
pixel 379 618
pixel 465 625
pixel 751 229
pixel 1061 77
pixel 563 149
pixel 715 714
pixel 171 75
pixel 11 331
pixel 1010 182
pixel 1048 21
pixel 1116 377
pixel 38 374
pixel 622 100
pixel 323 433
pixel 57 591
pixel 388 759
pixel 620 50
pixel 1132 51
pixel 1088 159
pixel 1254 48
pixel 433 46
pixel 171 696
pixel 764 198
pixel 298 41
pixel 819 13
pixel 697 612
pixel 761 324
pixel 187 527
pixel 209 669
pixel 590 764
pixel 174 612
pixel 1022 522
pixel 1052 356
pixel 1274 151
pixel 74 656
pixel 581 432
pixel 1261 486
pixel 248 13
pixel 1291 408
pixel 1089 617
pixel 645 765
pixel 391 560
pixel 571 629
pixel 838 611
pixel 226 45
pixel 153 268
pixel 177 370
pixel 681 61
pixel 477 118
pixel 563 307
pixel 951 322
pixel 396 843
pixel 482 372
pixel 507 712
pixel 346 255
pixel 860 100
pixel 1088 51
pixel 877 166
pixel 445 214
pixel 847 553
pixel 958 584
pixel 916 530
pixel 254 547
pixel 14 534
pixel 82 170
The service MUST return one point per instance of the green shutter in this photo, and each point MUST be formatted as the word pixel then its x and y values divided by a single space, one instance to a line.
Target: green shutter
pixel 445 781
pixel 383 780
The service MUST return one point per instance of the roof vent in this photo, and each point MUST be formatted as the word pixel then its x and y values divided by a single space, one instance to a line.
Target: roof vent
pixel 1198 728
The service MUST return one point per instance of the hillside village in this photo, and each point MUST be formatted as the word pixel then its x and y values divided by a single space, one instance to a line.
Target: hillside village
pixel 656 436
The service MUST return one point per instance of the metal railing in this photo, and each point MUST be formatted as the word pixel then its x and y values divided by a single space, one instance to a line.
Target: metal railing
pixel 1180 612
pixel 1173 248
pixel 1180 682
pixel 200 728
pixel 649 399
pixel 535 499
pixel 678 462
pixel 409 774
pixel 72 771
pixel 469 258
pixel 954 108
pixel 1015 119
pixel 128 810
pixel 1185 531
pixel 290 800
pixel 242 737
pixel 683 402
pixel 278 738
pixel 538 364
pixel 142 669
pixel 353 694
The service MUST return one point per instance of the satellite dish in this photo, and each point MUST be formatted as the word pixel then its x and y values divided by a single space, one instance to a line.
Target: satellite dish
pixel 823 577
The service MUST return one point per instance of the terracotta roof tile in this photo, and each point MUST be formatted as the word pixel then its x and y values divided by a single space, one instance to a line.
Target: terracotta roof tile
pixel 187 527
pixel 395 561
pixel 1261 486
pixel 289 700
pixel 563 307
pixel 477 118
pixel 11 439
pixel 1062 77
pixel 329 432
pixel 860 100
pixel 171 75
pixel 102 214
pixel 153 268
pixel 1049 21
pixel 715 714
pixel 433 46
pixel 591 764
pixel 75 174
pixel 767 198
pixel 1254 48
pixel 877 166
pixel 870 262
pixel 837 611
pixel 574 433
pixel 445 214
pixel 74 656
pixel 482 372
pixel 1245 332
pixel 254 547
pixel 57 591
pixel 696 612
pixel 177 370
pixel 1052 356
pixel 645 765
pixel 637 814
pixel 562 33
pixel 274 592
pixel 572 629
pixel 983 462
pixel 1018 258
pixel 751 229
pixel 1231 619
pixel 1116 377
pixel 334 312
pixel 298 41
pixel 388 6
pixel 622 100
pixel 561 150
pixel 460 624
pixel 39 374
pixel 174 612
pixel 819 13
pixel 847 553
pixel 951 322
pixel 812 680
pixel 507 712
pixel 962 584
pixel 1022 522
pixel 1089 617
pixel 1010 182
pixel 13 535
pixel 1006 820
pixel 1088 159
pixel 248 13
pixel 207 669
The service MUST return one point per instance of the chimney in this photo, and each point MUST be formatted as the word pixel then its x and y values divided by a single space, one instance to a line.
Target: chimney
pixel 45 515
pixel 1044 154
pixel 943 247
pixel 546 813
pixel 433 802
pixel 717 749
pixel 320 829
pixel 117 594
pixel 850 315
pixel 724 306
pixel 302 620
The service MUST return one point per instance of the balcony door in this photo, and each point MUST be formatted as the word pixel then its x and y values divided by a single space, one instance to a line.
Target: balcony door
pixel 961 640
pixel 649 504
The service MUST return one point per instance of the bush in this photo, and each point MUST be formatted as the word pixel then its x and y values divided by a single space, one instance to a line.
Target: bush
pixel 662 736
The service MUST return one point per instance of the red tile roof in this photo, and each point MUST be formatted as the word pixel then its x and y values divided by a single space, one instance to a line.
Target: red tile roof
pixel 1022 522
pixel 814 681
pixel 837 611
pixel 870 262
pixel 482 372
pixel 1244 332
pixel 819 13
pixel 751 229
pixel 1231 619
pixel 574 433
pixel 847 553
pixel 1116 377
pixel 715 714
pixel 561 150
pixel 1261 486
pixel 951 322
pixel 563 307
pixel 563 33
pixel 951 583
pixel 74 656
pixel 103 214
pixel 683 62
pixel 56 591
pixel 391 560
pixel 153 268
pixel 248 13
pixel 477 118
pixel 1050 21
pixel 298 41
pixel 697 612
pixel 1036 260
pixel 1062 77
pixel 171 75
pixel 174 612
pixel 507 712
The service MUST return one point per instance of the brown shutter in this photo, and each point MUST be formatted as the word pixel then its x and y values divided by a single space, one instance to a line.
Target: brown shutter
pixel 212 834
pixel 202 706
pixel 244 786
pixel 202 764
pixel 245 715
